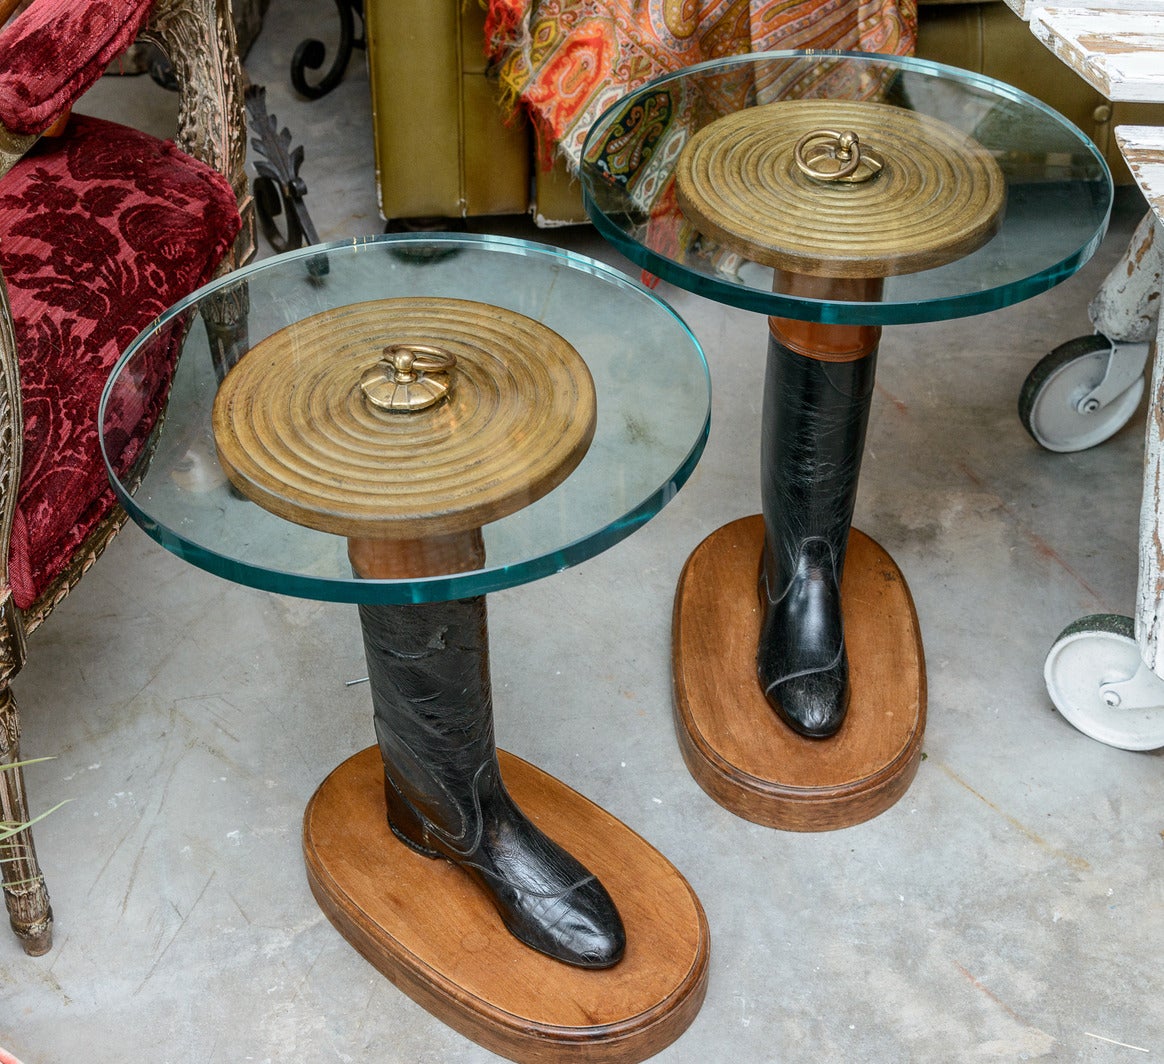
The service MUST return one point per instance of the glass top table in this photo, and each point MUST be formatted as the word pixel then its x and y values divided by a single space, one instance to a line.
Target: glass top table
pixel 1058 188
pixel 836 193
pixel 650 378
pixel 408 422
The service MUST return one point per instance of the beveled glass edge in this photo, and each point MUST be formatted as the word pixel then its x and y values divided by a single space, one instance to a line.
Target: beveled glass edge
pixel 830 312
pixel 511 245
pixel 424 589
pixel 849 313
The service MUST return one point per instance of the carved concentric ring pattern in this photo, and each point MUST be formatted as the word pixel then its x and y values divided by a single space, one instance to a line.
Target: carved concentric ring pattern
pixel 939 197
pixel 296 434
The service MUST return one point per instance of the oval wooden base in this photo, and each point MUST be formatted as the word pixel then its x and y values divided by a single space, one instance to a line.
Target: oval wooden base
pixel 735 746
pixel 436 936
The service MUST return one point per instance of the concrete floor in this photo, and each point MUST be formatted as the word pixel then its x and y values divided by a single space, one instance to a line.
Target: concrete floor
pixel 1009 907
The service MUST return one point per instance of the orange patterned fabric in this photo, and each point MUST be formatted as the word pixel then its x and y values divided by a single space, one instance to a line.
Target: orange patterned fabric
pixel 566 61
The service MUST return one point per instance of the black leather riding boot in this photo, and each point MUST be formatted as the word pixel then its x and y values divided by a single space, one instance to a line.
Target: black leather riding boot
pixel 433 704
pixel 814 419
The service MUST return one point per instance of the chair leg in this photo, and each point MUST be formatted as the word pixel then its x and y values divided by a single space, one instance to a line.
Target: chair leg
pixel 225 318
pixel 25 893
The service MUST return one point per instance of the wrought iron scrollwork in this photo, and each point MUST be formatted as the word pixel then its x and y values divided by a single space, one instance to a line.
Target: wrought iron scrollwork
pixel 311 53
pixel 278 188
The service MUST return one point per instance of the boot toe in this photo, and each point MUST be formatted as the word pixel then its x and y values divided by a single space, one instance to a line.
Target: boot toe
pixel 591 943
pixel 813 704
pixel 595 934
pixel 579 926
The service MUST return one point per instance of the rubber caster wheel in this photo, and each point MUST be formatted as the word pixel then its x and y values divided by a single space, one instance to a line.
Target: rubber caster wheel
pixel 1051 397
pixel 1099 682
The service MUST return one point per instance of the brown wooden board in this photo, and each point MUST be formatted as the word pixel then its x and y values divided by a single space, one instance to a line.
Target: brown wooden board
pixel 734 744
pixel 435 935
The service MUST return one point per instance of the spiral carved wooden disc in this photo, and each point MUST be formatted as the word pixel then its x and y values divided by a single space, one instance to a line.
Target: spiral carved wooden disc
pixel 939 197
pixel 296 434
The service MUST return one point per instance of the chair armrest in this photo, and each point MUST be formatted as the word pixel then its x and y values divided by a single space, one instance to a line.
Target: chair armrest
pixel 55 50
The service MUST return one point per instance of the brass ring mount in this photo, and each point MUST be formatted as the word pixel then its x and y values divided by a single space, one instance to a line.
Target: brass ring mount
pixel 829 155
pixel 409 377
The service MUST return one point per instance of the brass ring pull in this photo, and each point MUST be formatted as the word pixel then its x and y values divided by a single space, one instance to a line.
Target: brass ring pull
pixel 401 383
pixel 408 360
pixel 829 155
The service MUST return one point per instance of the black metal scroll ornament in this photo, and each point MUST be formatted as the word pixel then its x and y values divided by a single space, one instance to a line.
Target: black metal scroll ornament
pixel 278 189
pixel 310 54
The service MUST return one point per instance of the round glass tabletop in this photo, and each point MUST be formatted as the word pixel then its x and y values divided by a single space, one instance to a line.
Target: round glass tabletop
pixel 1057 187
pixel 650 411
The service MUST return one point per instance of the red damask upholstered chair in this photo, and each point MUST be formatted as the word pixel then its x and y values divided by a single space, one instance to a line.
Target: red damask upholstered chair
pixel 101 228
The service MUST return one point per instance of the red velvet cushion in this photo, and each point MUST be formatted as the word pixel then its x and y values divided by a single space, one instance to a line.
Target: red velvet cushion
pixel 55 50
pixel 100 231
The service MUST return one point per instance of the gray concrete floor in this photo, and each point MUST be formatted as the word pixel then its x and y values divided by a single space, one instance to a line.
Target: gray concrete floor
pixel 1009 907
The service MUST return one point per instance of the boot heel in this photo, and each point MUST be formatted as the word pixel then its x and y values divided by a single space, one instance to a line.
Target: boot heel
pixel 404 820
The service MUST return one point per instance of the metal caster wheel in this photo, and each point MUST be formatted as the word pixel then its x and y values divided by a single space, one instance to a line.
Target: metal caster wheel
pixel 1082 393
pixel 1099 682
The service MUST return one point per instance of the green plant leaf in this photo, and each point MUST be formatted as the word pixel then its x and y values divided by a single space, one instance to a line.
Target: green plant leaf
pixel 8 828
pixel 27 761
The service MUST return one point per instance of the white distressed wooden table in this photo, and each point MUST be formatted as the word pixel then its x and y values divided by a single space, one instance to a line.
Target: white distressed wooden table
pixel 1118 48
pixel 1143 148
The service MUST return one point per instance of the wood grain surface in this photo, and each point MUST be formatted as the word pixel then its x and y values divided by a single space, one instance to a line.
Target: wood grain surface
pixel 1115 47
pixel 734 744
pixel 437 937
